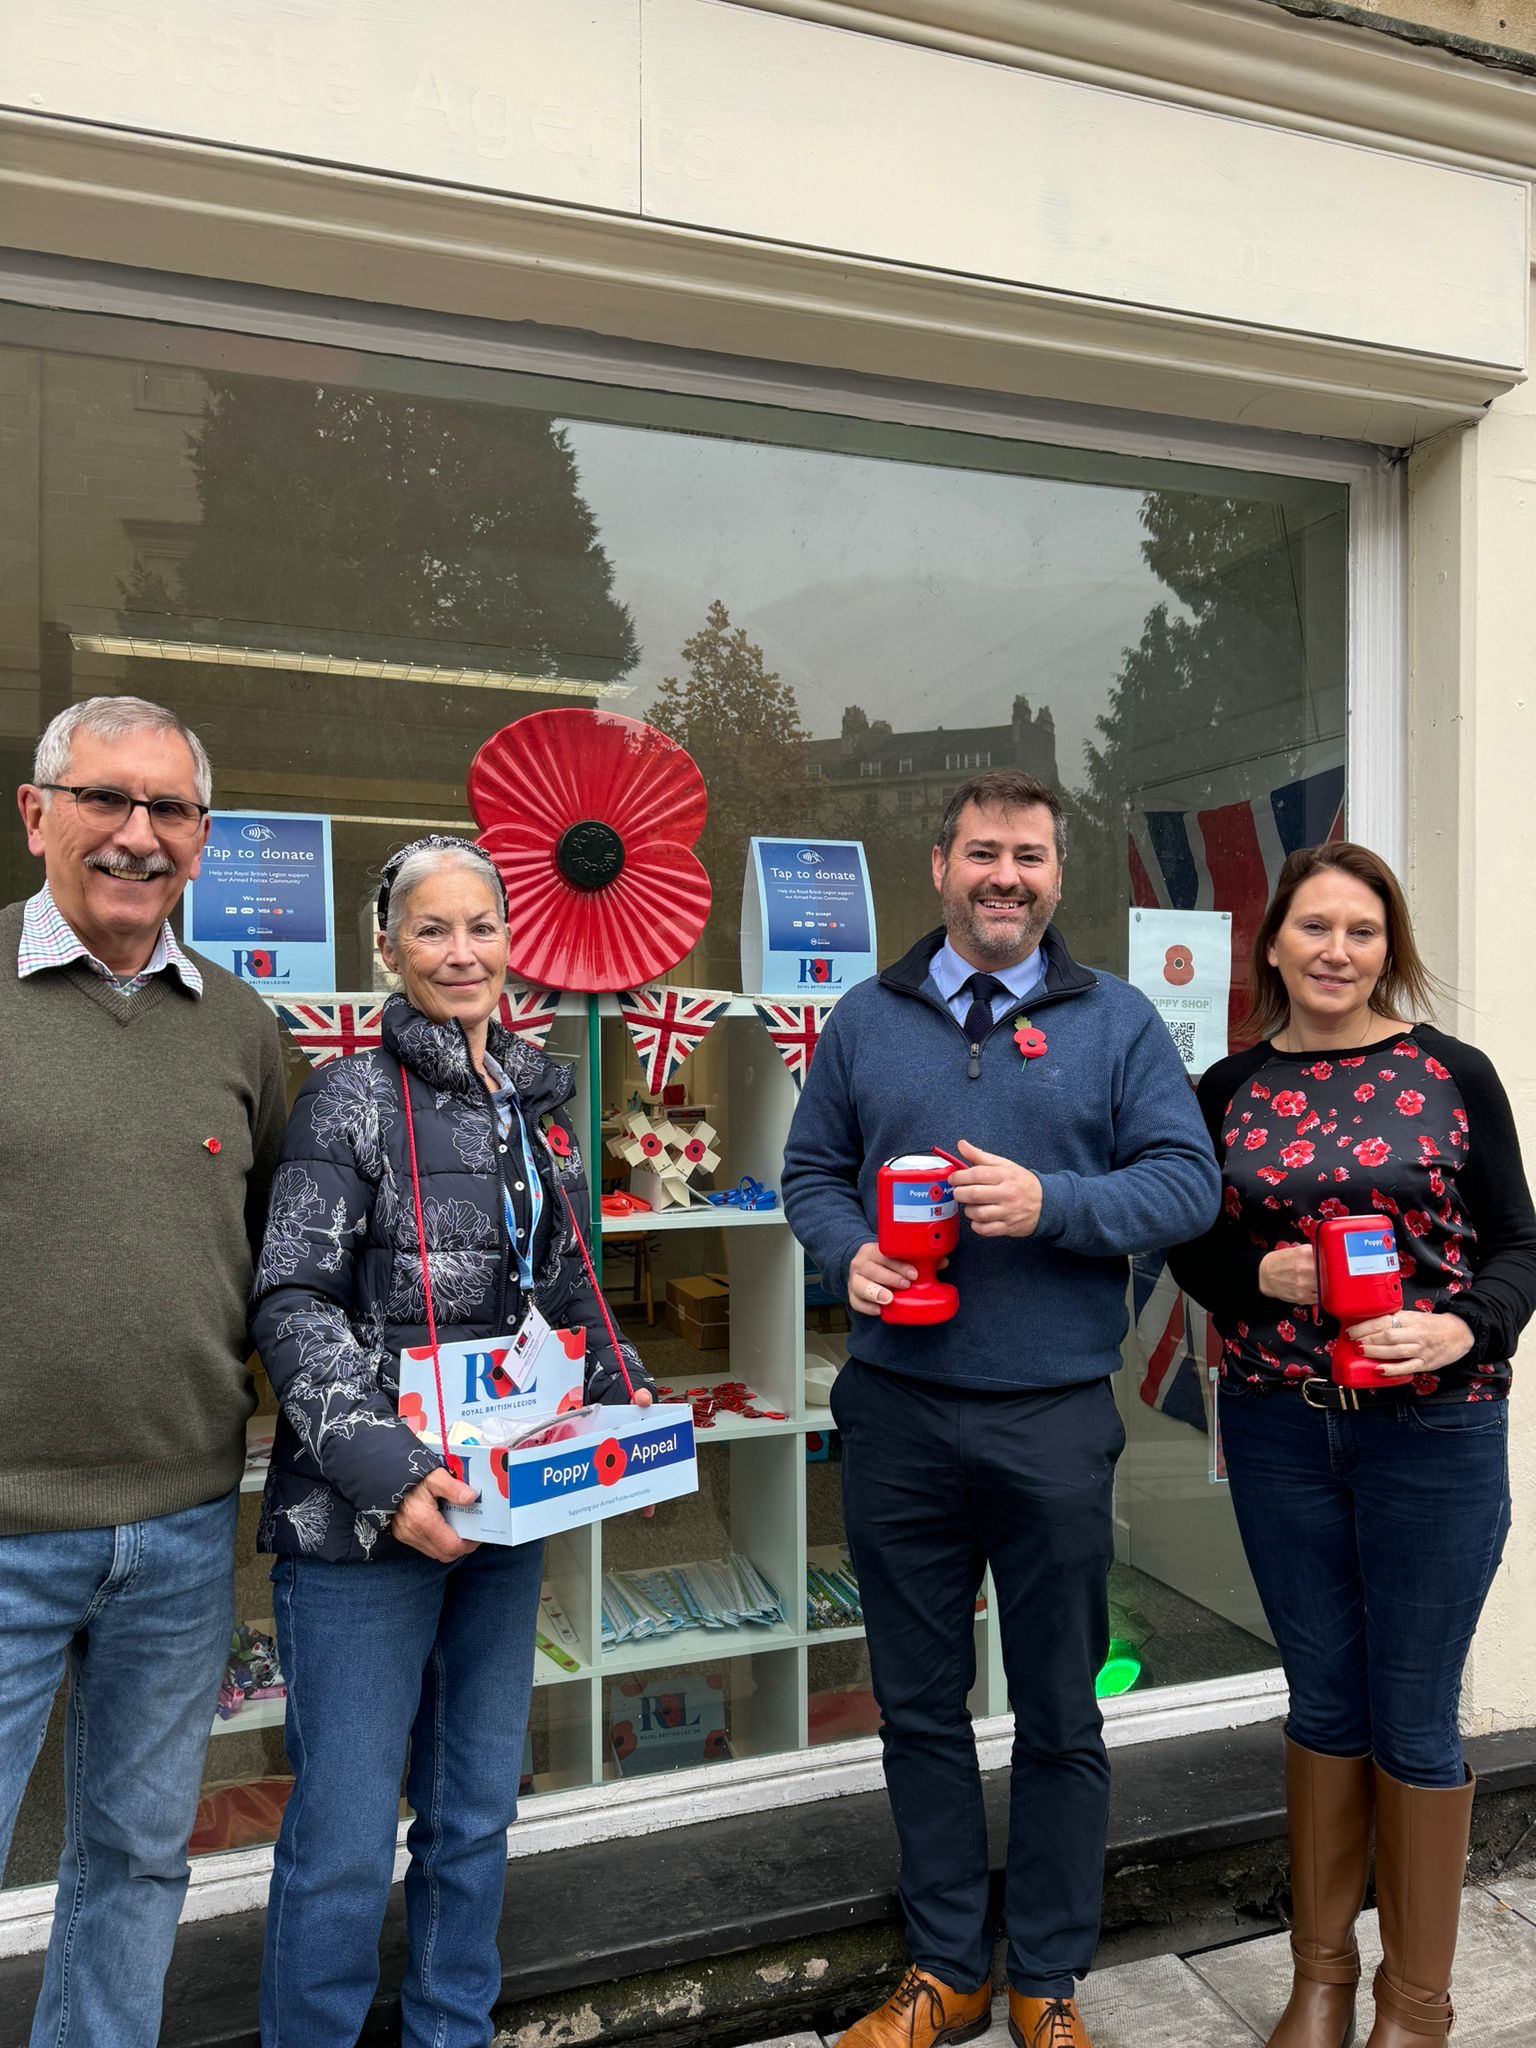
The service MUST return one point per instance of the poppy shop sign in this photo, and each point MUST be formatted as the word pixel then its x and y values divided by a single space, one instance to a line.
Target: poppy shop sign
pixel 807 917
pixel 261 904
pixel 1182 961
pixel 538 1460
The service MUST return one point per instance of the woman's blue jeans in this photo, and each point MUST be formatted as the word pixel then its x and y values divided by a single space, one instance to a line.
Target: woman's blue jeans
pixel 1373 1536
pixel 381 1657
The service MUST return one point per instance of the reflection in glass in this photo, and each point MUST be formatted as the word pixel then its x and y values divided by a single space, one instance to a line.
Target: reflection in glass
pixel 348 572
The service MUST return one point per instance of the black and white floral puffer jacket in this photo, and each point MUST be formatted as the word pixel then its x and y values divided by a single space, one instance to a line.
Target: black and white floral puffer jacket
pixel 338 1291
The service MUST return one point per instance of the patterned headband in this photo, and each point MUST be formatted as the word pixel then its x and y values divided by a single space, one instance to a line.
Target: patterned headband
pixel 397 861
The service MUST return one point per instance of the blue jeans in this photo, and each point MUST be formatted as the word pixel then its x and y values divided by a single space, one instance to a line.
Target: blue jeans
pixel 140 1618
pixel 937 1484
pixel 1373 1537
pixel 404 1653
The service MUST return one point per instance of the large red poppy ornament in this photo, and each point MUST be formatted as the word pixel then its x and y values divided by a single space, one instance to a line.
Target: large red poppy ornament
pixel 590 819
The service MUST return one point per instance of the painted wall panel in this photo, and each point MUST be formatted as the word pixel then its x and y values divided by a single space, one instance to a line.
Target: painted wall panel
pixel 805 134
pixel 736 120
pixel 529 96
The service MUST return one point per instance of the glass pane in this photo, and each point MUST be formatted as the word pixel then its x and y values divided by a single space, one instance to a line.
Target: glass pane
pixel 348 572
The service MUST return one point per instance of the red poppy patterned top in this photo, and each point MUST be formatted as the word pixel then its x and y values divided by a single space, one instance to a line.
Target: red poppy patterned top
pixel 1416 1128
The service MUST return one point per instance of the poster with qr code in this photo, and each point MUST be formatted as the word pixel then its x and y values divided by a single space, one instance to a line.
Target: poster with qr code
pixel 1182 960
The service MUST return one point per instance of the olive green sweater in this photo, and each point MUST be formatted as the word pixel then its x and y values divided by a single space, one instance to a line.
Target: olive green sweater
pixel 125 1243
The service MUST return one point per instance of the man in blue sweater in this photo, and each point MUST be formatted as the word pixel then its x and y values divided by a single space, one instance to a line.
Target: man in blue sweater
pixel 992 1438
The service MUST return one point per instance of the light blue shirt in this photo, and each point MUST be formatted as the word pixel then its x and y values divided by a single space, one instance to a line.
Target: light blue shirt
pixel 949 974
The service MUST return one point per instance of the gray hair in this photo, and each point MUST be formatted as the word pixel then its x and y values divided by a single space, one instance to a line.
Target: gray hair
pixel 113 718
pixel 421 862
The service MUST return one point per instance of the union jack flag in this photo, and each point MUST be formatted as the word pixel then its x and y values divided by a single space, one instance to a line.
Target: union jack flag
pixel 1229 856
pixel 795 1029
pixel 667 1024
pixel 1176 1342
pixel 330 1031
pixel 529 1012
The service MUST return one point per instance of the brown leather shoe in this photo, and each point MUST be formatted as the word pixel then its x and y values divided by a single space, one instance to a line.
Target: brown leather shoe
pixel 1046 2022
pixel 922 2012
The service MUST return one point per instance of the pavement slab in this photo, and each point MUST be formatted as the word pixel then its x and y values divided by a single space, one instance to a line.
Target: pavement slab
pixel 1495 1983
pixel 1518 1893
pixel 1159 2003
pixel 1231 1997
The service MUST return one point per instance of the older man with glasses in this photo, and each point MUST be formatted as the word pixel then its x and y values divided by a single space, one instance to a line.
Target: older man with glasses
pixel 140 1126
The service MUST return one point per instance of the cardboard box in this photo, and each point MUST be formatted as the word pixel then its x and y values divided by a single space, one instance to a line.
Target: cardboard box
pixel 699 1310
pixel 582 1466
pixel 585 1467
pixel 666 1721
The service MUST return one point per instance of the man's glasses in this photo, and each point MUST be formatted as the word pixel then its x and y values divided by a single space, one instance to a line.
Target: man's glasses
pixel 173 817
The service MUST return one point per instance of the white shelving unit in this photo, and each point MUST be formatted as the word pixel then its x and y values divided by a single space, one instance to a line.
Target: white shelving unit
pixel 757 1494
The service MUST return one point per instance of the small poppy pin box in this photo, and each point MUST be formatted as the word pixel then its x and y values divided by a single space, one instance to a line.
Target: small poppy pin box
pixel 538 1459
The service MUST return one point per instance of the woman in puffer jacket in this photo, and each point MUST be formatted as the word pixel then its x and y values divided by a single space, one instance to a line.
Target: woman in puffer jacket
pixel 396 1635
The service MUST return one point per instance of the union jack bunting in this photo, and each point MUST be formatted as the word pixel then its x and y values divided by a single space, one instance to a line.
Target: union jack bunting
pixel 529 1012
pixel 1176 1341
pixel 330 1031
pixel 1228 856
pixel 667 1024
pixel 794 1029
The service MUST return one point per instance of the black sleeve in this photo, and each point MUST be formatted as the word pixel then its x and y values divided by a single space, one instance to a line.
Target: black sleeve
pixel 1221 1269
pixel 1493 1189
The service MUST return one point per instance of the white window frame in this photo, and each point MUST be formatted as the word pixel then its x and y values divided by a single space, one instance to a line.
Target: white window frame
pixel 144 317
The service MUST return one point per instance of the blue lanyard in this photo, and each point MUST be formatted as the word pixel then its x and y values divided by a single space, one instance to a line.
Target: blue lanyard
pixel 509 1111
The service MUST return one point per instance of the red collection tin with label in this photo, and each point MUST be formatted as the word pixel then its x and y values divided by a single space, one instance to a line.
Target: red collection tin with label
pixel 1357 1277
pixel 919 1224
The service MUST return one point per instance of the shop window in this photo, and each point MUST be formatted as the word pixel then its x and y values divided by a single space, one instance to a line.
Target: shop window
pixel 348 576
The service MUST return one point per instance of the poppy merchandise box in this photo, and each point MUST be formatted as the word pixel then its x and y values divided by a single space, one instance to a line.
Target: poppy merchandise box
pixel 660 1722
pixel 579 1465
pixel 586 1466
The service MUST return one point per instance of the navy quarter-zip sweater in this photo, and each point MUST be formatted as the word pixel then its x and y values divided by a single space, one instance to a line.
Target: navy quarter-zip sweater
pixel 1106 1118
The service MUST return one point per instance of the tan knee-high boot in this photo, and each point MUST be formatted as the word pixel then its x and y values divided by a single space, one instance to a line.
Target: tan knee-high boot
pixel 1328 1801
pixel 1421 1864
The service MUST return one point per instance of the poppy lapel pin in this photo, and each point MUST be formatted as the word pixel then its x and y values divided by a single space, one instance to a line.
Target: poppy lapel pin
pixel 212 1145
pixel 1029 1040
pixel 558 1139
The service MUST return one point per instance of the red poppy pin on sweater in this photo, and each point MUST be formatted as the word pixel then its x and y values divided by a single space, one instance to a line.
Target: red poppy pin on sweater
pixel 1030 1040
pixel 212 1145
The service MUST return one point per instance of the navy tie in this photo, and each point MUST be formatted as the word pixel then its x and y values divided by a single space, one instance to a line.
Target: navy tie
pixel 985 989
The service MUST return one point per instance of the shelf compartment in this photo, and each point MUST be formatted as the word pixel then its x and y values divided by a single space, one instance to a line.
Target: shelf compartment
pixel 670 1713
pixel 559 1752
pixel 254 1714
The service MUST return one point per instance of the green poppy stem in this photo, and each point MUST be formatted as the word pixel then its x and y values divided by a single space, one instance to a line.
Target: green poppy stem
pixel 595 1131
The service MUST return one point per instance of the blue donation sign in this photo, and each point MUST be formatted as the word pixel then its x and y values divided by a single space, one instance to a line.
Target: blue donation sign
pixel 262 904
pixel 807 917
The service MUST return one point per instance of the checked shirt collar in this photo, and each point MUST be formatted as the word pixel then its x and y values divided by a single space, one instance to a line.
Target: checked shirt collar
pixel 48 939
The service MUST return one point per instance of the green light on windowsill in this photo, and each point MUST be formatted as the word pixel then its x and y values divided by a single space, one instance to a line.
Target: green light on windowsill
pixel 1122 1670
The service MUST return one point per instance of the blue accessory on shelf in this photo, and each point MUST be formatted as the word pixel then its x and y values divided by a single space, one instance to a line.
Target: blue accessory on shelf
pixel 747 1194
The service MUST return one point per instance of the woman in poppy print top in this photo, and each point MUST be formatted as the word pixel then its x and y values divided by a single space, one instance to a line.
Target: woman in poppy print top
pixel 1373 1521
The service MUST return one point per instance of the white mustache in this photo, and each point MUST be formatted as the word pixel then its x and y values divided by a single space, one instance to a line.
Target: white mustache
pixel 131 867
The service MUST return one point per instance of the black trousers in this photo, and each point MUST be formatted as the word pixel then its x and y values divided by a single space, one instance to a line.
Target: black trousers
pixel 938 1483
